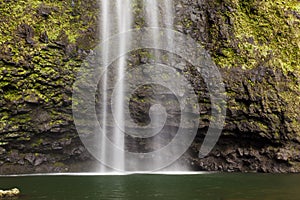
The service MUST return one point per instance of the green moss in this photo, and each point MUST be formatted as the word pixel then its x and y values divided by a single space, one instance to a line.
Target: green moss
pixel 37 143
pixel 12 95
pixel 187 23
pixel 3 143
pixel 138 14
pixel 60 17
pixel 59 164
pixel 38 74
pixel 24 138
pixel 264 33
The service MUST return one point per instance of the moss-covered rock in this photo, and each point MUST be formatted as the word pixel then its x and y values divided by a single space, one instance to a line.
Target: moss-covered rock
pixel 256 46
pixel 42 45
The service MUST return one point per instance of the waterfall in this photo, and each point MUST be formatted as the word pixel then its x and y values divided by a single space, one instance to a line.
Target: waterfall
pixel 133 107
pixel 104 36
pixel 117 17
pixel 160 14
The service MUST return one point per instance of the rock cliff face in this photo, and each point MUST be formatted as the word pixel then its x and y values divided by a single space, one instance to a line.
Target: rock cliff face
pixel 255 44
pixel 42 47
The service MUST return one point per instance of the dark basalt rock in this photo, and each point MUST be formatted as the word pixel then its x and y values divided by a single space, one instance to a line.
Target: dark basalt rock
pixel 44 37
pixel 25 31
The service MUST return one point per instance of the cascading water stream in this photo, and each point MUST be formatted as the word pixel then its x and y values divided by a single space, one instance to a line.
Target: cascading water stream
pixel 124 24
pixel 105 51
pixel 117 18
pixel 152 20
pixel 160 14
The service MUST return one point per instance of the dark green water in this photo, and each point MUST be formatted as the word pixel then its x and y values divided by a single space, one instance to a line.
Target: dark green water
pixel 216 186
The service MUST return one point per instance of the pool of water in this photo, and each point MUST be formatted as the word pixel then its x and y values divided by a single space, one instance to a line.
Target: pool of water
pixel 215 186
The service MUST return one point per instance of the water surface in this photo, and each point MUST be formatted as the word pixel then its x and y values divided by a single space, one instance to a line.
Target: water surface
pixel 216 186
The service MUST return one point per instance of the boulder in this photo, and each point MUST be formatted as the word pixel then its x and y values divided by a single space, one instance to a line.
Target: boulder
pixel 9 193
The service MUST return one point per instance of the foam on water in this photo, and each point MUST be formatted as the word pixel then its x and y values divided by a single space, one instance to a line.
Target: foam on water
pixel 171 173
